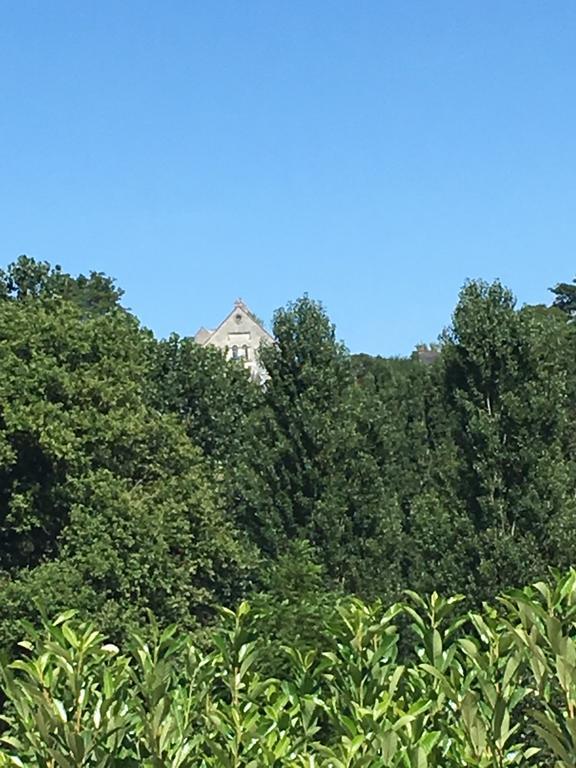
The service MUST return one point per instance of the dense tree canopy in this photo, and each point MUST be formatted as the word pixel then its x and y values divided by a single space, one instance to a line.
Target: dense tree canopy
pixel 212 399
pixel 105 503
pixel 505 381
pixel 313 475
pixel 139 475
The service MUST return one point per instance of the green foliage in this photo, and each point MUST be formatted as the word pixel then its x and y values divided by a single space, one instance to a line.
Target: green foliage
pixel 565 297
pixel 77 700
pixel 27 279
pixel 311 474
pixel 293 606
pixel 68 391
pixel 69 698
pixel 506 384
pixel 144 477
pixel 105 504
pixel 212 398
pixel 408 430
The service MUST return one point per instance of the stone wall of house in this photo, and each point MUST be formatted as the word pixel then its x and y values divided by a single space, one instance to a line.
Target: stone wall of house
pixel 240 335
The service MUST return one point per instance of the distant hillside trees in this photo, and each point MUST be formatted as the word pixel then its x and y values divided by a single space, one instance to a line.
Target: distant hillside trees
pixel 565 297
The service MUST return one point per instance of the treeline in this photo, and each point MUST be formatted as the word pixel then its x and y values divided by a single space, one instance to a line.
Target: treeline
pixel 144 476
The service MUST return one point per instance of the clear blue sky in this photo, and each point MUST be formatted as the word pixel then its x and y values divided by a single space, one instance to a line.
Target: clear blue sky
pixel 373 153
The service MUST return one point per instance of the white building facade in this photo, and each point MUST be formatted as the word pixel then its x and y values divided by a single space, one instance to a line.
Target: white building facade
pixel 240 334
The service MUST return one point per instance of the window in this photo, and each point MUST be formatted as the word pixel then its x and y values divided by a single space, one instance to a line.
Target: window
pixel 234 352
pixel 245 348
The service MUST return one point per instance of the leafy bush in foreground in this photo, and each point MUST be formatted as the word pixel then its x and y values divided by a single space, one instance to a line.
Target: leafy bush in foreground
pixel 496 688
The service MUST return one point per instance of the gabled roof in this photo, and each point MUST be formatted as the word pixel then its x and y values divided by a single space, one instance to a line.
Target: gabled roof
pixel 203 336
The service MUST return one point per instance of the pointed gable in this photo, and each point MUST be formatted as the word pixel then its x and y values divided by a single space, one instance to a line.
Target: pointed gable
pixel 240 335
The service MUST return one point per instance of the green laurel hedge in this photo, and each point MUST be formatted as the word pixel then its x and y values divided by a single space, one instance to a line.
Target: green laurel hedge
pixel 496 688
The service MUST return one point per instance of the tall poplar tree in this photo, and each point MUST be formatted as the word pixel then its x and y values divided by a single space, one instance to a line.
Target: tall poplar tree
pixel 408 429
pixel 505 378
pixel 312 475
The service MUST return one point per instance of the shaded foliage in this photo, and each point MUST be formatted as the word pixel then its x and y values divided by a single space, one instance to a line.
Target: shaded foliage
pixel 506 382
pixel 312 474
pixel 212 398
pixel 565 297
